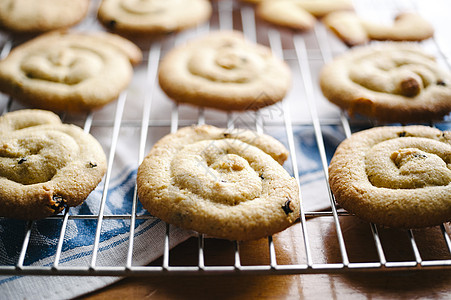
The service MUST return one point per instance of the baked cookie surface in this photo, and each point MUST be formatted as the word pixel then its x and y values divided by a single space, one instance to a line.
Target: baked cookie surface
pixel 64 71
pixel 298 14
pixel 354 30
pixel 45 165
pixel 390 82
pixel 395 176
pixel 41 15
pixel 224 71
pixel 153 16
pixel 227 184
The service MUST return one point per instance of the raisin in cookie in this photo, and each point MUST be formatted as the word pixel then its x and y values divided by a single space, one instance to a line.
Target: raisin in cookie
pixel 224 71
pixel 227 184
pixel 45 165
pixel 391 82
pixel 41 15
pixel 354 30
pixel 69 71
pixel 395 176
pixel 152 16
pixel 298 14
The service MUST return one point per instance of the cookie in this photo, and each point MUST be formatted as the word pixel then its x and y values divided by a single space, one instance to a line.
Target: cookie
pixel 395 176
pixel 298 14
pixel 153 17
pixel 40 16
pixel 354 30
pixel 390 82
pixel 64 71
pixel 45 165
pixel 224 71
pixel 226 184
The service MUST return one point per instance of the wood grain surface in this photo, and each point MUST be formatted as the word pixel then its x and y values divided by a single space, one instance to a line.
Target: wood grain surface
pixel 380 284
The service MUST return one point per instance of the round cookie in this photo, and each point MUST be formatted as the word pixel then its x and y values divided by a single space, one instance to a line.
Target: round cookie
pixel 395 176
pixel 226 184
pixel 41 15
pixel 390 82
pixel 45 165
pixel 153 16
pixel 298 14
pixel 64 71
pixel 224 71
pixel 354 30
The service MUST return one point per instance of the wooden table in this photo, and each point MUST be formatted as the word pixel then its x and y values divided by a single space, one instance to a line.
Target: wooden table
pixel 424 283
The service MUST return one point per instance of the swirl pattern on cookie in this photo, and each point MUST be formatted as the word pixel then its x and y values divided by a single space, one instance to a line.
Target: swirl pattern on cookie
pixel 153 16
pixel 42 15
pixel 45 165
pixel 227 184
pixel 69 71
pixel 394 82
pixel 395 176
pixel 224 71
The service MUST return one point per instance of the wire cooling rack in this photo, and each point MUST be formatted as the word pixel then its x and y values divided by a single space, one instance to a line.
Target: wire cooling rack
pixel 304 107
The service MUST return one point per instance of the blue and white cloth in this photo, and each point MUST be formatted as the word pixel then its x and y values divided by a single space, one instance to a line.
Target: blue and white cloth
pixel 78 244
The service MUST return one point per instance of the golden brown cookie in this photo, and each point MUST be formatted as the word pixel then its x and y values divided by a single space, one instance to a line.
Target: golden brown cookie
pixel 45 165
pixel 354 30
pixel 41 15
pixel 395 176
pixel 69 71
pixel 153 16
pixel 391 82
pixel 298 14
pixel 223 70
pixel 226 184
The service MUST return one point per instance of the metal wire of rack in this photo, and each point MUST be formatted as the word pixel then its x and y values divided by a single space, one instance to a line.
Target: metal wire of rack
pixel 292 47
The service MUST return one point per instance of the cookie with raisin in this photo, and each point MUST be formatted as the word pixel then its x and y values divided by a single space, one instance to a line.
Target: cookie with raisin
pixel 389 82
pixel 45 165
pixel 226 184
pixel 395 176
